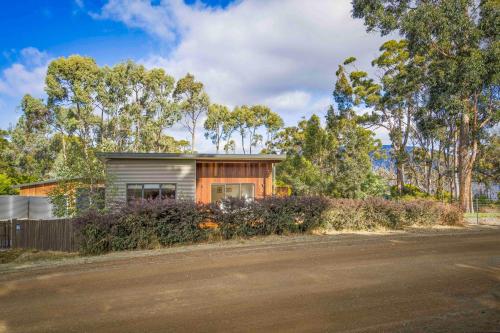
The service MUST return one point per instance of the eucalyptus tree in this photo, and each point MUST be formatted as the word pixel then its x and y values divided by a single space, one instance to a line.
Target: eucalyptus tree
pixel 29 146
pixel 162 110
pixel 70 85
pixel 256 118
pixel 459 41
pixel 217 125
pixel 239 120
pixel 273 123
pixel 402 95
pixel 230 146
pixel 193 103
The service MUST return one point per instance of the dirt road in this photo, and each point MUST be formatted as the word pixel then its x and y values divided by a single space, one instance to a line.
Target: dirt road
pixel 445 282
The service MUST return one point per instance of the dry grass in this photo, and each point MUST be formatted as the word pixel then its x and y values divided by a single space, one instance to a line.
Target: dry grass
pixel 29 256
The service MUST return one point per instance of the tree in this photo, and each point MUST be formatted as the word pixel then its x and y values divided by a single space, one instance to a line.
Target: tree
pixel 70 85
pixel 459 41
pixel 230 146
pixel 193 101
pixel 273 123
pixel 30 147
pixel 399 102
pixel 216 124
pixel 350 155
pixel 256 118
pixel 487 168
pixel 6 185
pixel 315 141
pixel 239 120
pixel 304 168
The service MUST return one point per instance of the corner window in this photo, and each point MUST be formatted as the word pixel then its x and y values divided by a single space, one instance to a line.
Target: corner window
pixel 239 191
pixel 150 192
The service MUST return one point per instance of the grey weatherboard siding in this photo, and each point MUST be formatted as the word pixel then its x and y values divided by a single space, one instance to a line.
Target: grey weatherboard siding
pixel 129 171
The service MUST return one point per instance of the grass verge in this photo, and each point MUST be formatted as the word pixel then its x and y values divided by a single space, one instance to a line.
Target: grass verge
pixel 27 255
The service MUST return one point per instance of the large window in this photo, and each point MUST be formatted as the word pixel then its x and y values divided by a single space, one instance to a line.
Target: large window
pixel 239 191
pixel 150 192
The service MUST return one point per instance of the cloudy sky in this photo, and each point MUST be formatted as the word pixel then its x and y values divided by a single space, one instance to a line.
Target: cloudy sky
pixel 282 53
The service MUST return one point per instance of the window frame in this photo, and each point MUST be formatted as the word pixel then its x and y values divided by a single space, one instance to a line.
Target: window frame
pixel 225 193
pixel 142 189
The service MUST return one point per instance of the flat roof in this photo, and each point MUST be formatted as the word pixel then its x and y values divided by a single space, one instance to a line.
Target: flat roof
pixel 197 157
pixel 45 182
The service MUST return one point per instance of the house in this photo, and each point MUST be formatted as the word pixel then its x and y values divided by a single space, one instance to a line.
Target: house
pixel 204 178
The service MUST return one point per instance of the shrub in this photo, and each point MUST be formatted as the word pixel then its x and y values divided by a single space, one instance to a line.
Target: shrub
pixel 143 225
pixel 408 191
pixel 149 224
pixel 376 213
pixel 346 214
pixel 94 231
pixel 271 215
pixel 178 221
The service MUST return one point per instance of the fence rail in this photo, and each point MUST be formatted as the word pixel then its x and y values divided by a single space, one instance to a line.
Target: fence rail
pixel 53 235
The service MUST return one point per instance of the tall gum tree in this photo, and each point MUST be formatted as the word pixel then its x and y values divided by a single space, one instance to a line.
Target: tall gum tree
pixel 460 42
pixel 193 103
pixel 216 124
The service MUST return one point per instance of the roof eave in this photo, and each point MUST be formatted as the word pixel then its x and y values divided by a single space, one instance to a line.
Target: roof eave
pixel 197 157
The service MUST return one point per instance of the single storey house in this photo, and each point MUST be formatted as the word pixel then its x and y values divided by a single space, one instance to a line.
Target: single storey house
pixel 204 178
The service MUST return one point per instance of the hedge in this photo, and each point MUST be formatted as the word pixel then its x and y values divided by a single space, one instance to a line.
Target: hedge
pixel 150 224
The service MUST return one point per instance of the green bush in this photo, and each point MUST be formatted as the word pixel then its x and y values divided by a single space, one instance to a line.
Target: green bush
pixel 272 215
pixel 149 224
pixel 408 191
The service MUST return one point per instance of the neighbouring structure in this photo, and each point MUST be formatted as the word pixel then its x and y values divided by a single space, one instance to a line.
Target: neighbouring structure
pixel 37 189
pixel 204 178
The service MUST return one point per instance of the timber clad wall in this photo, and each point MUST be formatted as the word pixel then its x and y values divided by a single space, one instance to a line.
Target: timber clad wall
pixel 123 172
pixel 40 190
pixel 257 173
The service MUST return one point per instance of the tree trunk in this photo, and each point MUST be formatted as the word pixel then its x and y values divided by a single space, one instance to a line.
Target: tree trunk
pixel 467 150
pixel 243 143
pixel 192 141
pixel 430 160
pixel 400 178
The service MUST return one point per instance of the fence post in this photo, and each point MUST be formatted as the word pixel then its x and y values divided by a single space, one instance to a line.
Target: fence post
pixel 12 233
pixel 477 210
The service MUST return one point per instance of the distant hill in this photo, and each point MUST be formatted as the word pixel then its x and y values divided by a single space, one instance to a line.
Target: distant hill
pixel 387 162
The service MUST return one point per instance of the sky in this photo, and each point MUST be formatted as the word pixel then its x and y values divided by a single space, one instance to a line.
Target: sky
pixel 282 53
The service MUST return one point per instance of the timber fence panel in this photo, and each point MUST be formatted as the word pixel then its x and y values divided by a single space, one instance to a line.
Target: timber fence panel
pixel 5 234
pixel 53 235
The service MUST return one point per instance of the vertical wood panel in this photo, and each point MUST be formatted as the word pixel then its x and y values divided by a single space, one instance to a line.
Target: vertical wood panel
pixel 257 173
pixel 53 235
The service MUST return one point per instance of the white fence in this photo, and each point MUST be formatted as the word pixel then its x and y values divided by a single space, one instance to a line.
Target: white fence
pixel 20 207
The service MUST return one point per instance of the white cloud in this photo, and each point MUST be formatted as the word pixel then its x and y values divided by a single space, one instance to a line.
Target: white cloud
pixel 27 76
pixel 290 100
pixel 156 20
pixel 33 56
pixel 281 53
pixel 253 51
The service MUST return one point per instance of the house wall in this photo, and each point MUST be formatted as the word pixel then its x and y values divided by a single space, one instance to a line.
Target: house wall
pixel 257 173
pixel 123 172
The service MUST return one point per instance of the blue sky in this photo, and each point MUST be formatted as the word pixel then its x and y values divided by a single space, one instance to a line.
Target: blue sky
pixel 281 53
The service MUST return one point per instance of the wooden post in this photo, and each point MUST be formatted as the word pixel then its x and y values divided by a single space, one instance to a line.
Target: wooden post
pixel 12 233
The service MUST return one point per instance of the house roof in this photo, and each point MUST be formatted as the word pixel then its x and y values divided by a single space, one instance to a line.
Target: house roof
pixel 197 157
pixel 44 182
